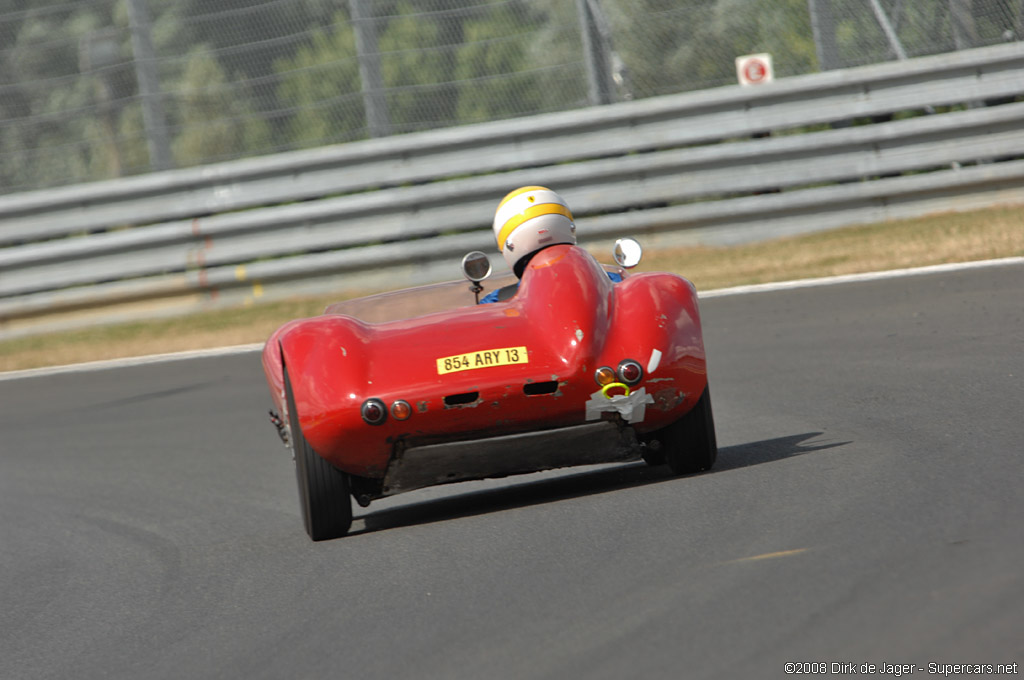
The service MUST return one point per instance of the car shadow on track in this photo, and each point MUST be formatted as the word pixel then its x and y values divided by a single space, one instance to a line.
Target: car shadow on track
pixel 771 450
pixel 580 484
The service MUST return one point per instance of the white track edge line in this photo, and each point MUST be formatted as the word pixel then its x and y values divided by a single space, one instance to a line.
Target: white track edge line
pixel 721 292
pixel 855 278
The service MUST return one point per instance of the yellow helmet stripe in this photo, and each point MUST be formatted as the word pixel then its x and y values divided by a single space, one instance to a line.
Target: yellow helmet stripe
pixel 519 192
pixel 529 214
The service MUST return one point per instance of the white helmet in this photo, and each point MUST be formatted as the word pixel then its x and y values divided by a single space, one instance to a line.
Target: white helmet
pixel 528 219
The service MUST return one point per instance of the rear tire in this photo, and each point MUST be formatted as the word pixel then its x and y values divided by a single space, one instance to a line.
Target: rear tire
pixel 689 443
pixel 323 488
pixel 653 456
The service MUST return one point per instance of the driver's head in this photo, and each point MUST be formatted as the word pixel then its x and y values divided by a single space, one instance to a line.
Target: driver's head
pixel 530 219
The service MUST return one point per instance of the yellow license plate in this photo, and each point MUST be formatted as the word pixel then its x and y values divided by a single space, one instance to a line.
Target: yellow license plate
pixel 484 358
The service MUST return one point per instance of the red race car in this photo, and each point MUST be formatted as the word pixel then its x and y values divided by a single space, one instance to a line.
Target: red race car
pixel 581 364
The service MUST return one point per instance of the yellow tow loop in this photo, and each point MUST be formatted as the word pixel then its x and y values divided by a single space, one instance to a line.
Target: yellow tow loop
pixel 624 386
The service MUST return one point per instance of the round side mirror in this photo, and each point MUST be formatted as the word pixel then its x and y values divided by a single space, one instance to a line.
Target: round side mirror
pixel 476 267
pixel 628 253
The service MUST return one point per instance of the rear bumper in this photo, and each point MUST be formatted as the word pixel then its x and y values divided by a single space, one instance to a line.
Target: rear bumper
pixel 422 466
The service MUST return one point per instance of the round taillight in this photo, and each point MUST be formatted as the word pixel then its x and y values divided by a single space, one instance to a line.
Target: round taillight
pixel 604 376
pixel 401 410
pixel 630 372
pixel 374 411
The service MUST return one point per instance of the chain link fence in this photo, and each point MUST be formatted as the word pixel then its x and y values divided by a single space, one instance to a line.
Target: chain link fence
pixel 97 89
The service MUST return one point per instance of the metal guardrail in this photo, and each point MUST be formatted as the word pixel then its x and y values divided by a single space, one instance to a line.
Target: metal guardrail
pixel 729 164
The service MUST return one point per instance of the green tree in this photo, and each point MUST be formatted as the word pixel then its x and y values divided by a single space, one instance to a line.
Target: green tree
pixel 495 75
pixel 215 119
pixel 660 42
pixel 248 36
pixel 417 69
pixel 783 31
pixel 67 79
pixel 555 54
pixel 319 86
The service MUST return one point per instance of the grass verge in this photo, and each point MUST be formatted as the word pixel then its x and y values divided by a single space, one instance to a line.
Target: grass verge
pixel 953 237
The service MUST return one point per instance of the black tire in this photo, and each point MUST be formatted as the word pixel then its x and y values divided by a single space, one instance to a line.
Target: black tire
pixel 323 488
pixel 653 456
pixel 689 444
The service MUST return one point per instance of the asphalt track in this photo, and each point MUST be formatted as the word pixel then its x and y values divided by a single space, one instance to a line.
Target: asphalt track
pixel 867 508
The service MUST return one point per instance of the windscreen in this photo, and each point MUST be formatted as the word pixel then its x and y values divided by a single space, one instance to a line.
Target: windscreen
pixel 413 302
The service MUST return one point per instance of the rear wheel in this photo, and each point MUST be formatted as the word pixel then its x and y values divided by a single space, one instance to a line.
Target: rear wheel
pixel 689 444
pixel 323 488
pixel 653 453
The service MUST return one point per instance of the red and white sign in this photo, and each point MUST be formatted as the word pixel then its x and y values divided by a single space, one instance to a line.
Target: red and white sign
pixel 754 69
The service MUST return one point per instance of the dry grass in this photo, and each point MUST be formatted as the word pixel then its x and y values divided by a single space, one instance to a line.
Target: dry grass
pixel 934 240
pixel 954 237
pixel 199 331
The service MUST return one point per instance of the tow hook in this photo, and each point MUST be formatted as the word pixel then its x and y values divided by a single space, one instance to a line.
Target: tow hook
pixel 282 431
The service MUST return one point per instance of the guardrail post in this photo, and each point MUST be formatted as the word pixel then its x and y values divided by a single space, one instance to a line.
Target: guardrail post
pixel 965 31
pixel 377 119
pixel 823 27
pixel 149 87
pixel 595 56
pixel 890 32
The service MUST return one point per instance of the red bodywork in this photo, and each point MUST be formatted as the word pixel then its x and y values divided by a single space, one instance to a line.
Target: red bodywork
pixel 568 314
